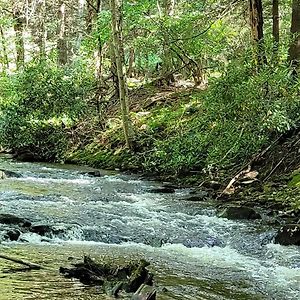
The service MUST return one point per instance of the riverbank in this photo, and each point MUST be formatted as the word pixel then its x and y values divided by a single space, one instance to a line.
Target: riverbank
pixel 182 140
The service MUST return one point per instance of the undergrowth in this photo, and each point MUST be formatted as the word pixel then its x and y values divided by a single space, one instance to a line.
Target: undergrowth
pixel 206 132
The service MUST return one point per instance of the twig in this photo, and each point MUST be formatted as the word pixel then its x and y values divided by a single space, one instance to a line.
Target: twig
pixel 28 264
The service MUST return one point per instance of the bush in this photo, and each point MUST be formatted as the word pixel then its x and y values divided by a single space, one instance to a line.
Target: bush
pixel 38 104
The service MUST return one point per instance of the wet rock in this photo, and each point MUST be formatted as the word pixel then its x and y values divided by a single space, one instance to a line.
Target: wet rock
pixel 7 174
pixel 2 175
pixel 58 231
pixel 239 213
pixel 195 197
pixel 9 219
pixel 96 173
pixel 42 229
pixel 145 292
pixel 214 185
pixel 288 235
pixel 162 190
pixel 12 234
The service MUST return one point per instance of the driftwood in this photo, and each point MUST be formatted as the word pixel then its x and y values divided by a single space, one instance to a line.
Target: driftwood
pixel 31 266
pixel 145 292
pixel 112 279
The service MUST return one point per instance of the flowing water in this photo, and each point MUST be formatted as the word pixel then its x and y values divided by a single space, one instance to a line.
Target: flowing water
pixel 193 253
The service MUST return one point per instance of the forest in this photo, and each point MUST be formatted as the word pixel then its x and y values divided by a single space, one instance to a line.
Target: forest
pixel 198 95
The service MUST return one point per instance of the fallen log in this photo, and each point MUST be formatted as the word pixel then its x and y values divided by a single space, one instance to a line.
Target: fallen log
pixel 145 292
pixel 30 265
pixel 112 279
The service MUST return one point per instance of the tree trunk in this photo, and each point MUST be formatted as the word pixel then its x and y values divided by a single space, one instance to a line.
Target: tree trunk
pixel 4 49
pixel 275 15
pixel 18 28
pixel 42 34
pixel 131 62
pixel 256 23
pixel 167 75
pixel 116 10
pixel 294 51
pixel 62 49
pixel 81 4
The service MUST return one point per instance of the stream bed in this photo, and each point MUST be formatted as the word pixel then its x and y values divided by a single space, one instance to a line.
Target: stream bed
pixel 115 217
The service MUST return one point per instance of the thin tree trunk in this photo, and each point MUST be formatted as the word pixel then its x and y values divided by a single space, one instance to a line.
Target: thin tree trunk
pixel 294 51
pixel 116 10
pixel 275 31
pixel 62 49
pixel 18 28
pixel 4 48
pixel 131 62
pixel 81 4
pixel 42 34
pixel 256 23
pixel 168 9
pixel 28 264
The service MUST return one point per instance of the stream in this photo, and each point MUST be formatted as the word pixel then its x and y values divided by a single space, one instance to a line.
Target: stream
pixel 115 217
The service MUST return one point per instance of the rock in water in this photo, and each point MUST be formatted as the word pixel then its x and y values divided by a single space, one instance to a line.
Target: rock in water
pixel 12 234
pixel 145 292
pixel 2 175
pixel 288 235
pixel 7 174
pixel 162 190
pixel 9 219
pixel 239 213
pixel 96 173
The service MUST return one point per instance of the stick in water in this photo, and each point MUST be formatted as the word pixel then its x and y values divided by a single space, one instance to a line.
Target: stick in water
pixel 28 264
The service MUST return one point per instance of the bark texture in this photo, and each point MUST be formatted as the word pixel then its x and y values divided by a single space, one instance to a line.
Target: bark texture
pixel 294 51
pixel 62 48
pixel 256 23
pixel 275 29
pixel 116 10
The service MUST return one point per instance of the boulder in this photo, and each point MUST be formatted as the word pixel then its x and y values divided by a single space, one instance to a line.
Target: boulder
pixel 42 229
pixel 239 213
pixel 198 196
pixel 288 235
pixel 9 219
pixel 12 234
pixel 49 231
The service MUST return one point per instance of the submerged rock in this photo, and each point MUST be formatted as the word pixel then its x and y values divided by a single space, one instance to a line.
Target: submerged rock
pixel 239 213
pixel 288 235
pixel 8 174
pixel 162 190
pixel 195 197
pixel 95 173
pixel 9 219
pixel 58 231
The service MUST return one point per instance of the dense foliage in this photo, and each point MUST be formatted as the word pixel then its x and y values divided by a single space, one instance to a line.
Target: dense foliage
pixel 59 97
